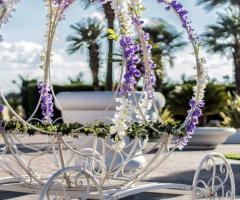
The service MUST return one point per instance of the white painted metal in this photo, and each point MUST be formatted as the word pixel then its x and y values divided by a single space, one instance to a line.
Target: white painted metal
pixel 219 172
pixel 82 169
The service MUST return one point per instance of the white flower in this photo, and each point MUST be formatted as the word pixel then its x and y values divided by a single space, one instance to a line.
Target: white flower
pixel 143 108
pixel 120 120
pixel 121 10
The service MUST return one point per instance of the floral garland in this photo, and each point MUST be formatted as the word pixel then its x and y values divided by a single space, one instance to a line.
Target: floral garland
pixel 56 10
pixel 46 103
pixel 128 14
pixel 132 59
pixel 98 129
pixel 196 103
pixel 135 8
pixel 121 119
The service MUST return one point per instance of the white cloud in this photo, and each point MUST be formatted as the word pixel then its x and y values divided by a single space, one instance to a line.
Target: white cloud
pixel 99 15
pixel 22 58
pixel 217 66
pixel 19 54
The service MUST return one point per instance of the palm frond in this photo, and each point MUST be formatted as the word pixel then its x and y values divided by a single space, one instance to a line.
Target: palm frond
pixel 210 4
pixel 223 35
pixel 86 33
pixel 87 3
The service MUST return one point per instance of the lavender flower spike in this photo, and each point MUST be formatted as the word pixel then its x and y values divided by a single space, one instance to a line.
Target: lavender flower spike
pixel 193 115
pixel 132 60
pixel 46 102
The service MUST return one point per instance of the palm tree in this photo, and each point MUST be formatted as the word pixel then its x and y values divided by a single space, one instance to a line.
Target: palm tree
pixel 165 41
pixel 224 37
pixel 110 16
pixel 209 4
pixel 87 34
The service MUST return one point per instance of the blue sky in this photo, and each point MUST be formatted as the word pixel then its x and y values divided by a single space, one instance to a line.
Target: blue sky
pixel 23 37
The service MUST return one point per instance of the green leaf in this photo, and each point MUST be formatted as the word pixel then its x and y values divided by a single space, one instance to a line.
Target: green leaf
pixel 112 34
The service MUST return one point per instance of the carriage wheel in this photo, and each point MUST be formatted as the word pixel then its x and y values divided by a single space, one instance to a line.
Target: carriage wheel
pixel 71 183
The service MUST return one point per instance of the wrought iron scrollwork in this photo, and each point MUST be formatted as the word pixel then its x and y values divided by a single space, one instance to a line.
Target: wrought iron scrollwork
pixel 213 178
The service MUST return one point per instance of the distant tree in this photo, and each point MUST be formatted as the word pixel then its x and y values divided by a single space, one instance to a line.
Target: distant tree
pixel 78 79
pixel 210 4
pixel 110 16
pixel 224 38
pixel 165 41
pixel 87 34
pixel 23 100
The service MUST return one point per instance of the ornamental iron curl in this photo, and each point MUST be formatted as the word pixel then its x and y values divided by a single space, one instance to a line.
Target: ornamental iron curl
pixel 73 180
pixel 212 177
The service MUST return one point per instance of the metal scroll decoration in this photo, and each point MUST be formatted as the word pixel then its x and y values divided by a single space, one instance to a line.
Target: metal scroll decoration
pixel 212 178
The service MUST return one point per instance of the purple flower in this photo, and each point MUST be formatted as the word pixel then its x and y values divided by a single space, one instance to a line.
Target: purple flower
pixel 193 115
pixel 1 108
pixel 63 4
pixel 46 102
pixel 150 81
pixel 182 13
pixel 132 60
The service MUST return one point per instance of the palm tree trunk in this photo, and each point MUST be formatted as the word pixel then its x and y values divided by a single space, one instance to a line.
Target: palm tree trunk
pixel 94 64
pixel 109 13
pixel 236 58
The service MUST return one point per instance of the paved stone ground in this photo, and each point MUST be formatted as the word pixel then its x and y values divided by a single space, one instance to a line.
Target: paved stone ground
pixel 178 168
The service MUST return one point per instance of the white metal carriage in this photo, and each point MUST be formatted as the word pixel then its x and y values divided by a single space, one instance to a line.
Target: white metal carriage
pixel 76 166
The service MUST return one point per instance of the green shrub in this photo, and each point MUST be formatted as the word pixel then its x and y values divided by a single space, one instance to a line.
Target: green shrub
pixel 231 114
pixel 30 94
pixel 215 100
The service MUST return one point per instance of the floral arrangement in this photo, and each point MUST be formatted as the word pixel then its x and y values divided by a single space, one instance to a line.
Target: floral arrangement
pixel 98 129
pixel 135 54
pixel 132 9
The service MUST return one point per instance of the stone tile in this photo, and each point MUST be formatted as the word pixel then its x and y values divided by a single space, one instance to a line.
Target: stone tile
pixel 178 168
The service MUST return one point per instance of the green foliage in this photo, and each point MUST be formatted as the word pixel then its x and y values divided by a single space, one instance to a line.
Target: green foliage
pixel 210 4
pixel 167 117
pixel 99 129
pixel 223 36
pixel 78 79
pixel 30 95
pixel 215 100
pixel 87 33
pixel 233 156
pixel 231 114
pixel 112 35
